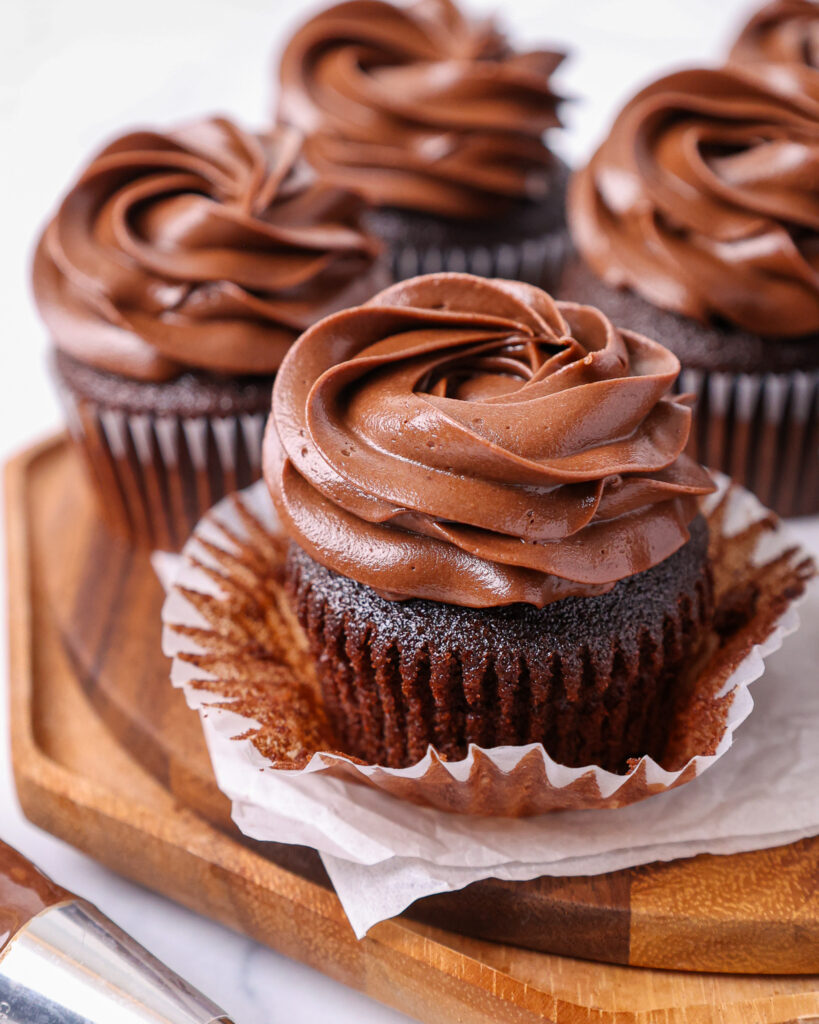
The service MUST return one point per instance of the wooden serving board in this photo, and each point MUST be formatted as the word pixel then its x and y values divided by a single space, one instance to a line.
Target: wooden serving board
pixel 108 756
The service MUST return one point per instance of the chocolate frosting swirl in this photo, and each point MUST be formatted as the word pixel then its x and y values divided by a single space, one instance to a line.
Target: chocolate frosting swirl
pixel 419 108
pixel 203 248
pixel 782 32
pixel 475 442
pixel 704 198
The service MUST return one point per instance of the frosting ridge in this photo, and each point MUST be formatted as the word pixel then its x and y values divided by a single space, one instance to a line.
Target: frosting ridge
pixel 785 32
pixel 206 247
pixel 703 198
pixel 418 107
pixel 474 441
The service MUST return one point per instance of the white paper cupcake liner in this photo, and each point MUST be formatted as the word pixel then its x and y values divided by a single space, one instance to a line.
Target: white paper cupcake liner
pixel 241 660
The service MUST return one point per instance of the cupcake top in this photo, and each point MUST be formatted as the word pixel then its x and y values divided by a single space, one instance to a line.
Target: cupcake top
pixel 419 108
pixel 784 32
pixel 704 198
pixel 473 441
pixel 204 248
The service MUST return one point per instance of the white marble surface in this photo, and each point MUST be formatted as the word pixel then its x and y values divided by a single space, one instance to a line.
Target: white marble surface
pixel 71 73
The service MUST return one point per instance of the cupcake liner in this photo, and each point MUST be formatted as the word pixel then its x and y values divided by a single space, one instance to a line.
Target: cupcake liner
pixel 537 261
pixel 762 430
pixel 157 475
pixel 241 659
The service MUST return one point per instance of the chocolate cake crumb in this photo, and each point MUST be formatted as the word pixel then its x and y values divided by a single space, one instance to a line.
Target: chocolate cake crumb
pixel 193 393
pixel 714 347
pixel 592 678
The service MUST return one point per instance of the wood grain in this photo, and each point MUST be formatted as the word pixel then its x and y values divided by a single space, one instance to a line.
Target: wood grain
pixel 72 581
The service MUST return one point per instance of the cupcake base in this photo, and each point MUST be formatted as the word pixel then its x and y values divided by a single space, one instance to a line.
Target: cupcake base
pixel 756 413
pixel 527 243
pixel 161 454
pixel 596 680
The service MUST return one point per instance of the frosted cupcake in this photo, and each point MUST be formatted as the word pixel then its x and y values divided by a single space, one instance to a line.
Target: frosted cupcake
pixel 697 221
pixel 782 32
pixel 173 278
pixel 495 529
pixel 441 126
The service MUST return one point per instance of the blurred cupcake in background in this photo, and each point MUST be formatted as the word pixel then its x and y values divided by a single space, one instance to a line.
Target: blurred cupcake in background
pixel 782 32
pixel 173 278
pixel 697 223
pixel 440 124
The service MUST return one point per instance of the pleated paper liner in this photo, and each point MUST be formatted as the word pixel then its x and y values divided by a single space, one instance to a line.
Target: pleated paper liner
pixel 537 261
pixel 242 660
pixel 762 430
pixel 156 476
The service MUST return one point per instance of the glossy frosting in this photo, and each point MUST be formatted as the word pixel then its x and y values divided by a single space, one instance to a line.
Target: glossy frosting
pixel 204 248
pixel 475 442
pixel 418 107
pixel 704 198
pixel 786 31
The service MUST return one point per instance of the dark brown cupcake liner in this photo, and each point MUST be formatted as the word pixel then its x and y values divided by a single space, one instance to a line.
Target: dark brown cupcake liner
pixel 241 657
pixel 156 476
pixel 537 261
pixel 389 696
pixel 762 430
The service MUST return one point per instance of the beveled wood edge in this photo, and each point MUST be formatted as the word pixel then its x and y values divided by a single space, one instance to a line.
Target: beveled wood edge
pixel 24 751
pixel 43 787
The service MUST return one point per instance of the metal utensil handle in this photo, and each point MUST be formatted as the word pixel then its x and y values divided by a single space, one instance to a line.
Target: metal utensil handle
pixel 71 965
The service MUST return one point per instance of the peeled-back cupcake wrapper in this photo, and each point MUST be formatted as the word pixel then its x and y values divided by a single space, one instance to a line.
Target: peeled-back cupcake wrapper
pixel 237 649
pixel 382 853
pixel 156 475
pixel 535 260
pixel 762 430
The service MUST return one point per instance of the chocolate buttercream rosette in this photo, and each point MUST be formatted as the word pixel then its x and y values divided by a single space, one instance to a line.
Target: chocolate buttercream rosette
pixel 697 222
pixel 239 647
pixel 782 32
pixel 441 125
pixel 174 276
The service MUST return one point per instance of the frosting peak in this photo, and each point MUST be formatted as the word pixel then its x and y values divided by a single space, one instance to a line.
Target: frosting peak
pixel 476 442
pixel 704 198
pixel 206 248
pixel 418 107
pixel 784 32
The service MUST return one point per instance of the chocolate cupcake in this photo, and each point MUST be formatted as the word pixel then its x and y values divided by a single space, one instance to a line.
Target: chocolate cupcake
pixel 441 126
pixel 495 529
pixel 782 32
pixel 697 221
pixel 173 278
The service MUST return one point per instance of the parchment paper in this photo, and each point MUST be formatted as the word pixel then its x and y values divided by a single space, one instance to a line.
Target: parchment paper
pixel 383 853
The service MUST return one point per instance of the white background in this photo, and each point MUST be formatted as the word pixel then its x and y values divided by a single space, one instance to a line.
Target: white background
pixel 75 71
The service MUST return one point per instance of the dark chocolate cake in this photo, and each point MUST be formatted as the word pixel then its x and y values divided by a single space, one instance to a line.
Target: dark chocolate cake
pixel 594 679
